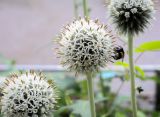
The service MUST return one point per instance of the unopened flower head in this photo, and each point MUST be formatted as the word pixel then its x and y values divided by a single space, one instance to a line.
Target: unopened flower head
pixel 86 45
pixel 28 95
pixel 131 16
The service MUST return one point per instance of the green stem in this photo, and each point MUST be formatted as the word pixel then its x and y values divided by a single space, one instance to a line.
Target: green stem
pixel 89 76
pixel 91 94
pixel 75 8
pixel 85 9
pixel 131 68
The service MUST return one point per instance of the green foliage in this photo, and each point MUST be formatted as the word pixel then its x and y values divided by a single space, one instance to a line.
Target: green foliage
pixel 154 78
pixel 148 46
pixel 120 114
pixel 141 114
pixel 9 63
pixel 138 71
pixel 73 94
pixel 123 64
pixel 74 97
pixel 156 114
pixel 80 107
pixel 6 61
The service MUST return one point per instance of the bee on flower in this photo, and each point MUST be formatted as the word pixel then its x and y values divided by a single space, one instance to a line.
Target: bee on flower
pixel 85 45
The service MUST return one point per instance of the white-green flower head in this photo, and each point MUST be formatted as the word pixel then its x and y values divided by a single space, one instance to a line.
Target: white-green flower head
pixel 86 45
pixel 28 95
pixel 131 16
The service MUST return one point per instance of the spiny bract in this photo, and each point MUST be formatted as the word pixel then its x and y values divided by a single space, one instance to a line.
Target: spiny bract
pixel 131 16
pixel 85 45
pixel 28 95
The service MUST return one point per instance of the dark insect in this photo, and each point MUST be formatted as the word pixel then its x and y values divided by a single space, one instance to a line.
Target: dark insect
pixel 139 89
pixel 118 53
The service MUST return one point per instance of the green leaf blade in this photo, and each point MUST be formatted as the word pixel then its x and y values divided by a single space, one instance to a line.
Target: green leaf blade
pixel 149 46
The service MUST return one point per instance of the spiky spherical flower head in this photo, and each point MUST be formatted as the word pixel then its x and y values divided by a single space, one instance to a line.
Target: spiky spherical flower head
pixel 28 95
pixel 131 16
pixel 86 45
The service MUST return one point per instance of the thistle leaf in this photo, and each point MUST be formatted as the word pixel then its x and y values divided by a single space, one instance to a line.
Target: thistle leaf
pixel 149 46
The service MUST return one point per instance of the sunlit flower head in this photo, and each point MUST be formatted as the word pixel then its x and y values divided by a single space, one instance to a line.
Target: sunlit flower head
pixel 131 16
pixel 28 95
pixel 85 45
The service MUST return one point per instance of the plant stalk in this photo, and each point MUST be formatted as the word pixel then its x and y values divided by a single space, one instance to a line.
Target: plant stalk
pixel 75 8
pixel 85 9
pixel 91 94
pixel 89 75
pixel 131 69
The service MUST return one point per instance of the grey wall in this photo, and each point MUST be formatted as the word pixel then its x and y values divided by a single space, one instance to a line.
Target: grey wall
pixel 28 27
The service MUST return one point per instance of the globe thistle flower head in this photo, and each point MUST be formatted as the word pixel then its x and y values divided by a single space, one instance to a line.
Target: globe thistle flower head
pixel 131 16
pixel 28 95
pixel 85 45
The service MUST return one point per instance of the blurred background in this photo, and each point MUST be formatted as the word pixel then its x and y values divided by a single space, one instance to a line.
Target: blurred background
pixel 28 29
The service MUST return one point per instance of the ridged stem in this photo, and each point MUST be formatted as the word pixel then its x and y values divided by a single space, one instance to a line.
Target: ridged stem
pixel 131 69
pixel 85 9
pixel 91 94
pixel 89 75
pixel 75 8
